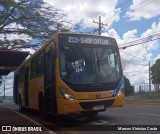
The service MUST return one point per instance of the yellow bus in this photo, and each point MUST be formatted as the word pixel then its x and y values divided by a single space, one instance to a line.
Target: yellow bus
pixel 71 73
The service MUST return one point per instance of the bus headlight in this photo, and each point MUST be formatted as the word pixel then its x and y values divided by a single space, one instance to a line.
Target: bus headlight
pixel 66 95
pixel 120 91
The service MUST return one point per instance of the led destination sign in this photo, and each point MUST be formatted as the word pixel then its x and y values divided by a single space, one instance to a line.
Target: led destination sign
pixel 88 40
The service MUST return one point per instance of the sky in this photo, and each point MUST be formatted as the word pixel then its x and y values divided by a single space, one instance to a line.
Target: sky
pixel 127 20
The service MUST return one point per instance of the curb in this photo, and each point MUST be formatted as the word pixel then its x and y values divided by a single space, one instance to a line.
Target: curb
pixel 142 103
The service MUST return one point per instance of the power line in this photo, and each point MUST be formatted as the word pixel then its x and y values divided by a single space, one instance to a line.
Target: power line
pixel 140 41
pixel 99 29
pixel 121 5
pixel 135 75
pixel 144 4
pixel 121 12
pixel 111 19
pixel 107 13
pixel 136 56
pixel 137 71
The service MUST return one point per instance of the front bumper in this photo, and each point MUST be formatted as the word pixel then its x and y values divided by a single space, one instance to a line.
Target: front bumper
pixel 66 106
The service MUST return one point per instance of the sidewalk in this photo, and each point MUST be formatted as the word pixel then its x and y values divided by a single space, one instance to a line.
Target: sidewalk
pixel 17 122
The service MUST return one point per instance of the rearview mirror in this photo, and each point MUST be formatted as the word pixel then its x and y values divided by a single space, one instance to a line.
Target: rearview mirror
pixel 122 63
pixel 53 50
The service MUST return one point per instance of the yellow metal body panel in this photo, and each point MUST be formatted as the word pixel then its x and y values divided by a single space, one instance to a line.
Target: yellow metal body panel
pixel 35 86
pixel 119 101
pixel 66 106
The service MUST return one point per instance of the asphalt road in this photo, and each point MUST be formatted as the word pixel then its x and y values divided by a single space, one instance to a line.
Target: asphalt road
pixel 127 117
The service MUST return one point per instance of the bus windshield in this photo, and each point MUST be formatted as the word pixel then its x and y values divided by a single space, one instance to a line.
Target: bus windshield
pixel 89 64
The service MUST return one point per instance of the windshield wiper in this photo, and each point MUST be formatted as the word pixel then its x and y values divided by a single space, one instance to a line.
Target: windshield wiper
pixel 97 61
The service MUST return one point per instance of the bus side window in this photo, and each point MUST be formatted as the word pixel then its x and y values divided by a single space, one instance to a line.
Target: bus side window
pixel 21 74
pixel 33 68
pixel 53 59
pixel 40 63
pixel 48 67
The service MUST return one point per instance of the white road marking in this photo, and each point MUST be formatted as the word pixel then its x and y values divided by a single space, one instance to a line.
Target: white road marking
pixel 33 121
pixel 98 122
pixel 113 124
pixel 149 114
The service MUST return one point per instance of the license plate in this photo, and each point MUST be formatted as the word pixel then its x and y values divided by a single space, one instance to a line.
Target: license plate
pixel 104 94
pixel 98 107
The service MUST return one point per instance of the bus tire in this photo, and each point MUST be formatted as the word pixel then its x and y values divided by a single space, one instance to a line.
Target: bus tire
pixel 21 108
pixel 90 113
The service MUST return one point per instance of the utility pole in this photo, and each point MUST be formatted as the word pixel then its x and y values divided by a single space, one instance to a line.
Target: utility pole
pixel 4 89
pixel 99 29
pixel 149 78
pixel 100 25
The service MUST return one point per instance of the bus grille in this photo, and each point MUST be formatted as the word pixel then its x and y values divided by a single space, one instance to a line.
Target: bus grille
pixel 89 105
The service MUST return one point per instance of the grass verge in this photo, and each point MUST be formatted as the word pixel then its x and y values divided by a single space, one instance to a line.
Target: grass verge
pixel 144 98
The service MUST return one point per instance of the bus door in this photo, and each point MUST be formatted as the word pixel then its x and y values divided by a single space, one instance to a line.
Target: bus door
pixel 15 91
pixel 26 86
pixel 49 83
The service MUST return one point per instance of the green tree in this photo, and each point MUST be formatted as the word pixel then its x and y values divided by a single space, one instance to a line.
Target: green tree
pixel 129 90
pixel 26 23
pixel 155 73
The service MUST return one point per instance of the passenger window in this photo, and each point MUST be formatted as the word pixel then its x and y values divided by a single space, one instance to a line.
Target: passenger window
pixel 40 62
pixel 21 74
pixel 34 67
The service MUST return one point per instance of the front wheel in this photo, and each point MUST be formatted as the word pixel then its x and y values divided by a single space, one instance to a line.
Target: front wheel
pixel 90 113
